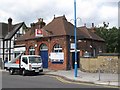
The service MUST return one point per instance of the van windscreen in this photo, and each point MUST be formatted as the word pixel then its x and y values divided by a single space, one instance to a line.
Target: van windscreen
pixel 35 60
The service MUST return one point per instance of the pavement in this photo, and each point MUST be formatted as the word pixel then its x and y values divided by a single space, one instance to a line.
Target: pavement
pixel 107 79
pixel 84 77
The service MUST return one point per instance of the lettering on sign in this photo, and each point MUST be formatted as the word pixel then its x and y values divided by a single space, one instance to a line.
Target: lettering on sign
pixel 57 57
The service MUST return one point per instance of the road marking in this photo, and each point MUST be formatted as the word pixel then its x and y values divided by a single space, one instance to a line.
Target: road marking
pixel 70 82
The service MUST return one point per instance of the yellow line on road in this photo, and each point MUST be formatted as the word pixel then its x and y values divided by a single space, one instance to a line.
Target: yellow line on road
pixel 70 82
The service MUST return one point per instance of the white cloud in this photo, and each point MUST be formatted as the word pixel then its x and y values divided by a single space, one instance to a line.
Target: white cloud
pixel 109 14
pixel 90 11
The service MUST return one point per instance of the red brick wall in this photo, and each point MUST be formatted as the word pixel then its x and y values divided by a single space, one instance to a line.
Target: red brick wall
pixel 64 41
pixel 50 42
pixel 86 46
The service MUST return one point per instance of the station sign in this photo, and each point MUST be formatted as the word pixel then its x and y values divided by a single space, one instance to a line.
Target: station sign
pixel 57 57
pixel 38 32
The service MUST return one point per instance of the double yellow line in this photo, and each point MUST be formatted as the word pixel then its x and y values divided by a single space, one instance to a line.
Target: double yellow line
pixel 70 82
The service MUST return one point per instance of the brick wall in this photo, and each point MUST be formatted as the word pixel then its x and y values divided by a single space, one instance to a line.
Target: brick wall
pixel 64 41
pixel 107 64
pixel 98 46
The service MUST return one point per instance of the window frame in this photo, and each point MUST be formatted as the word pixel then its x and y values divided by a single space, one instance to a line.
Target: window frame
pixel 57 48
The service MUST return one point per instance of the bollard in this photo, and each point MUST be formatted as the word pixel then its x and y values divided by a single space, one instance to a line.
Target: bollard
pixel 99 74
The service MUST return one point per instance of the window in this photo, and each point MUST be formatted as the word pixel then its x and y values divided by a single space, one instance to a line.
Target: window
pixel 1 44
pixel 35 60
pixel 57 48
pixel 6 44
pixel 31 51
pixel 24 59
pixel 43 47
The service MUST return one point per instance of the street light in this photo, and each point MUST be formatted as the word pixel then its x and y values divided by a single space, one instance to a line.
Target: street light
pixel 75 64
pixel 80 20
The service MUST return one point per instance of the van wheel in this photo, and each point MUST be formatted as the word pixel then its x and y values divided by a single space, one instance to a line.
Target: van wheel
pixel 11 71
pixel 24 72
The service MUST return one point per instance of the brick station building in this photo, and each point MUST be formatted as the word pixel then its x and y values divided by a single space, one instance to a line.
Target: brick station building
pixel 54 42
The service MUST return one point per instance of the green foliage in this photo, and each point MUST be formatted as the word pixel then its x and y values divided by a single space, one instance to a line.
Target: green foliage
pixel 118 50
pixel 111 38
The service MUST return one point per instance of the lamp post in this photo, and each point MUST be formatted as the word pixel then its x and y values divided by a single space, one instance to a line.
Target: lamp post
pixel 80 21
pixel 75 64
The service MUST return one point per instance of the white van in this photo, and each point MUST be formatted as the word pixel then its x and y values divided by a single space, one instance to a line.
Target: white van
pixel 24 64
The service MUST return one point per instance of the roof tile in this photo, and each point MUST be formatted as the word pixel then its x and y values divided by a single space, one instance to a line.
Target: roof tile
pixel 60 26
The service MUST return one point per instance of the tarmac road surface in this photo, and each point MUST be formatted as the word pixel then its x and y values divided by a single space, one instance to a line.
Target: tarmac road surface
pixel 40 81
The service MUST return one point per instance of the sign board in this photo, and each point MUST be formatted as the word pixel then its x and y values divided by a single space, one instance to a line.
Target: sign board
pixel 38 32
pixel 57 57
pixel 18 49
pixel 72 45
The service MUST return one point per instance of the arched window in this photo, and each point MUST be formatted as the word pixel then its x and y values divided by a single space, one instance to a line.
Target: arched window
pixel 43 47
pixel 57 48
pixel 31 50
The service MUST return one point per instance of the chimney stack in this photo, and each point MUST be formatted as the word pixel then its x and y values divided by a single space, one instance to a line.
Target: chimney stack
pixel 32 25
pixel 40 20
pixel 9 24
pixel 92 25
pixel 41 23
pixel 32 28
pixel 54 16
pixel 85 24
pixel 93 28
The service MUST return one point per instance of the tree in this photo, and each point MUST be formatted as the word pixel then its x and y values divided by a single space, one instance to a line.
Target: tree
pixel 110 36
pixel 118 46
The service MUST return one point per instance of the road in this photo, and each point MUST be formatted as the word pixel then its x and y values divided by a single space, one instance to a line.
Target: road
pixel 39 81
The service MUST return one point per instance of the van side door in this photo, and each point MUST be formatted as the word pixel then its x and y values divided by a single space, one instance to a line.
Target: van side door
pixel 24 63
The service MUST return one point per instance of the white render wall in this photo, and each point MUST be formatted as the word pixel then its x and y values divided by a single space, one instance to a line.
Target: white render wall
pixel 7 46
pixel 1 48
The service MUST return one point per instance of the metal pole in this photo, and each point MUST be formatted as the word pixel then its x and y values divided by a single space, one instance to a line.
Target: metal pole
pixel 99 74
pixel 75 65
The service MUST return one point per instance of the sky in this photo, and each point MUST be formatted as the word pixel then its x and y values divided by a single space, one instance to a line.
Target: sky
pixel 87 11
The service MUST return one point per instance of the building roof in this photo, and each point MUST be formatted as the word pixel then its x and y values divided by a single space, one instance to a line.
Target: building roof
pixel 15 28
pixel 28 35
pixel 88 34
pixel 4 30
pixel 60 26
